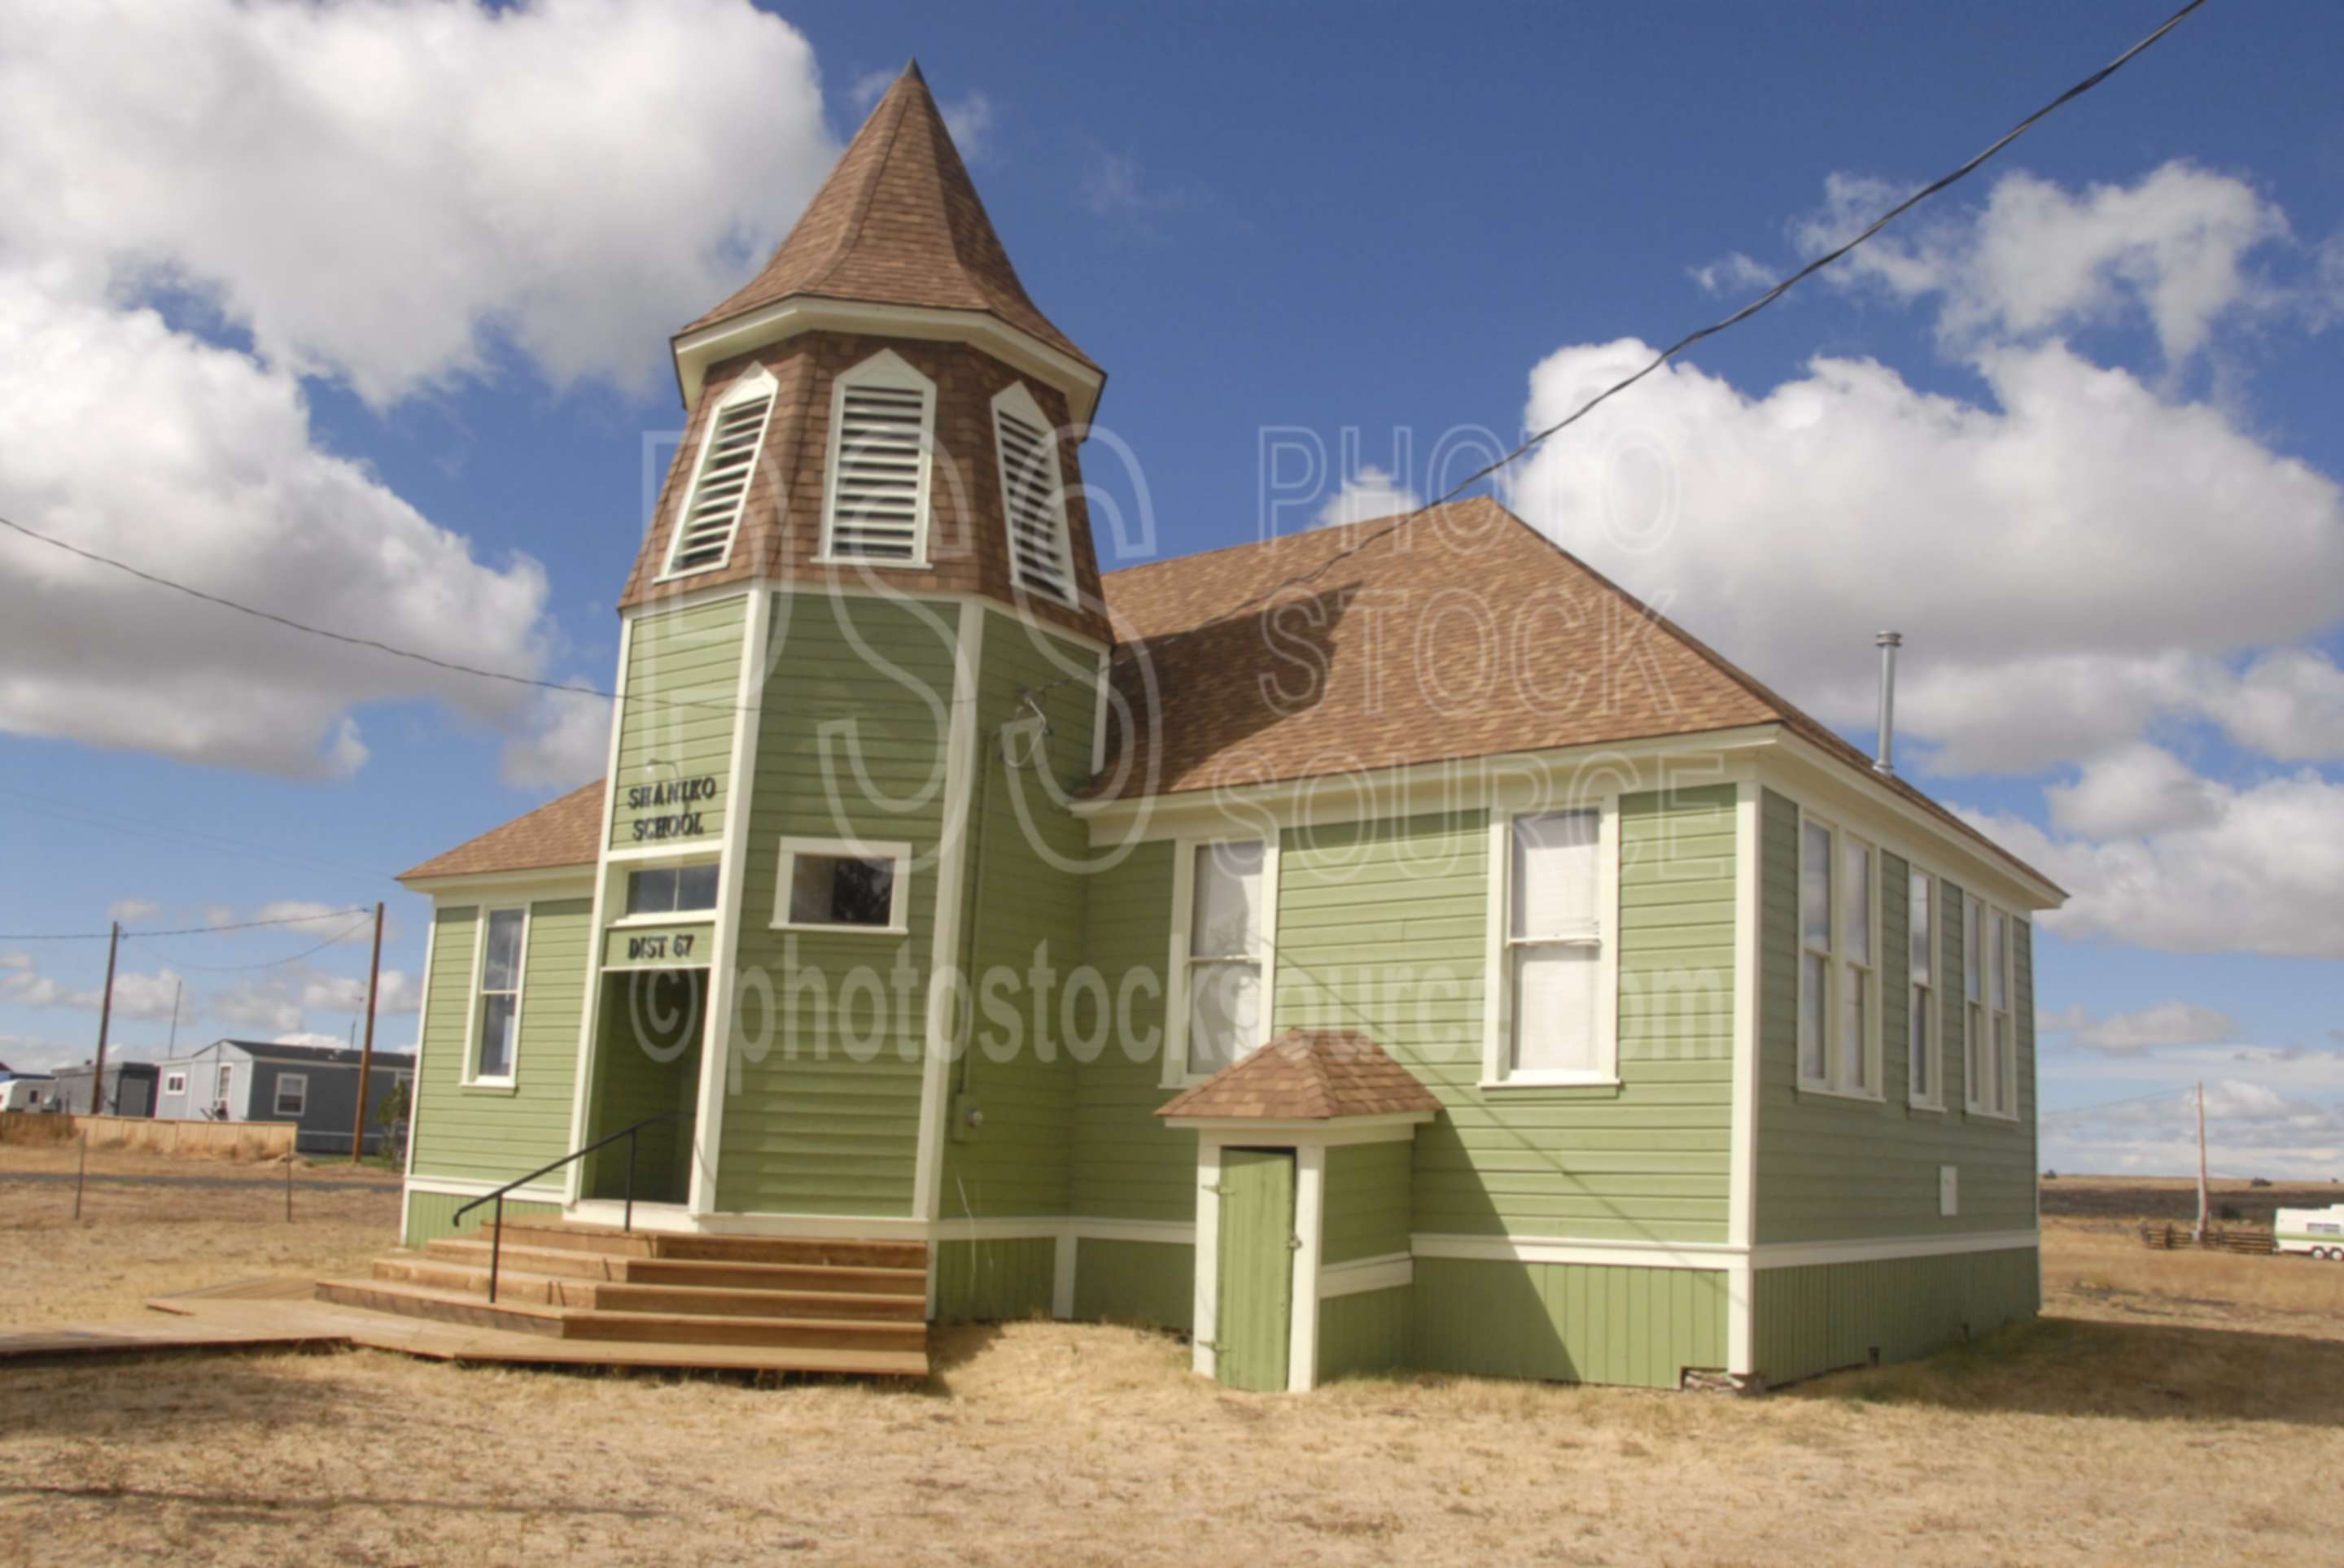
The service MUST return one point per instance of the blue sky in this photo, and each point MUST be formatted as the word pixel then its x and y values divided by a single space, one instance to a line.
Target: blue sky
pixel 390 306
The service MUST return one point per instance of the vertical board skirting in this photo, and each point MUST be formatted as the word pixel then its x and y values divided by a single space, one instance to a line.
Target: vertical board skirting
pixel 993 1280
pixel 1826 1316
pixel 1149 1284
pixel 1567 1323
pixel 1363 1333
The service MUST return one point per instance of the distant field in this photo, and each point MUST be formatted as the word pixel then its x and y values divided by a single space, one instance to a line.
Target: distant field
pixel 2171 1407
pixel 2175 1198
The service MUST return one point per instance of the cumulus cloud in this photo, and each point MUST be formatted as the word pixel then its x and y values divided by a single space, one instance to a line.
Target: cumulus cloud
pixel 1372 492
pixel 151 995
pixel 2252 1129
pixel 382 192
pixel 564 742
pixel 2139 790
pixel 2251 868
pixel 2168 1023
pixel 130 911
pixel 1732 273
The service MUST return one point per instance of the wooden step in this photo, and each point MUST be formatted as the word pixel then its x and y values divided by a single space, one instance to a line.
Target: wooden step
pixel 716 1274
pixel 801 1251
pixel 637 1328
pixel 517 1284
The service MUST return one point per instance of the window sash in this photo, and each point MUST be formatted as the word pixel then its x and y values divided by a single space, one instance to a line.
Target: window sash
pixel 1839 984
pixel 293 1086
pixel 1223 979
pixel 1225 1005
pixel 497 1007
pixel 1921 1038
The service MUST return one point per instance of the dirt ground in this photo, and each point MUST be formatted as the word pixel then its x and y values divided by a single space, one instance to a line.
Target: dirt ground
pixel 2171 1407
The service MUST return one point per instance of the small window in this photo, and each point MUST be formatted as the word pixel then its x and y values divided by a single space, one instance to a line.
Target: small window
pixel 175 1083
pixel 292 1093
pixel 1555 945
pixel 1223 983
pixel 498 1015
pixel 881 426
pixel 1839 999
pixel 710 516
pixel 1033 501
pixel 836 885
pixel 671 889
pixel 1923 1067
pixel 223 1080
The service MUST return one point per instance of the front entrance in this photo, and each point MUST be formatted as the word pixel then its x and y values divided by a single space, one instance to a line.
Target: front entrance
pixel 646 1065
pixel 1256 1313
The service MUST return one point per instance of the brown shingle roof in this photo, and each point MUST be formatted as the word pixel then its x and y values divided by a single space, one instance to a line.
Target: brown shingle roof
pixel 564 832
pixel 898 222
pixel 1467 633
pixel 1308 1075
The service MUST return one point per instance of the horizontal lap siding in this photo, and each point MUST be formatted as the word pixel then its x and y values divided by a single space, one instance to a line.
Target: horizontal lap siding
pixel 1569 1322
pixel 1150 1283
pixel 683 686
pixel 1833 1169
pixel 1025 911
pixel 1827 1316
pixel 499 1134
pixel 1127 1165
pixel 822 1111
pixel 432 1215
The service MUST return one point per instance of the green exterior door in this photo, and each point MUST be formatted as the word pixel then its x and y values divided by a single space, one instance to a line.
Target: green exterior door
pixel 1256 1291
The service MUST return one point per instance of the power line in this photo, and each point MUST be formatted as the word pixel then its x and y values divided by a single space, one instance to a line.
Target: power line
pixel 1301 580
pixel 183 930
pixel 342 935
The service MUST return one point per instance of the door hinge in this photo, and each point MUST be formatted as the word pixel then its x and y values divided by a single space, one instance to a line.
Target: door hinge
pixel 1294 1244
pixel 1216 1189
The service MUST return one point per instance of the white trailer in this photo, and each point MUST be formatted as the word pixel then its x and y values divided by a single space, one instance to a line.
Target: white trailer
pixel 27 1091
pixel 2318 1231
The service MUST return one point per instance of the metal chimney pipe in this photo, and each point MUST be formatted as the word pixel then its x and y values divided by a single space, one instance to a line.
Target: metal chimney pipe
pixel 1888 642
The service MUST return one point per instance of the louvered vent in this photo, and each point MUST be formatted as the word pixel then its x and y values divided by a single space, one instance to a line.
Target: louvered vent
pixel 879 493
pixel 727 461
pixel 1029 489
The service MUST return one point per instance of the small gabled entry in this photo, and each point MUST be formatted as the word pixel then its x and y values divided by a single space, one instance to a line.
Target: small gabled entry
pixel 1256 1269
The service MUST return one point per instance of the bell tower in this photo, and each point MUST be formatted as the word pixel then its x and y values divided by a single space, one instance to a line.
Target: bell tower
pixel 883 404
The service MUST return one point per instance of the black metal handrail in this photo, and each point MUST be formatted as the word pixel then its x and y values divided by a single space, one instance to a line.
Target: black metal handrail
pixel 497 1238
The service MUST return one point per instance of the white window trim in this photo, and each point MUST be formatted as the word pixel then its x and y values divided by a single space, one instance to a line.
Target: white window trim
pixel 1497 1011
pixel 1018 400
pixel 223 1084
pixel 472 1076
pixel 899 898
pixel 626 873
pixel 884 368
pixel 1935 1099
pixel 758 383
pixel 1184 901
pixel 175 1083
pixel 1833 1083
pixel 2005 1063
pixel 297 1080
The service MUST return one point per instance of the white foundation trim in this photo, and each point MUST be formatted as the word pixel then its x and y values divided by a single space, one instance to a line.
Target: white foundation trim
pixel 1803 1255
pixel 1364 1274
pixel 1713 1254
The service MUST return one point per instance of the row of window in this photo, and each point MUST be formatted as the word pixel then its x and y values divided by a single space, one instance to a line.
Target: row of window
pixel 875 494
pixel 292 1089
pixel 1840 1024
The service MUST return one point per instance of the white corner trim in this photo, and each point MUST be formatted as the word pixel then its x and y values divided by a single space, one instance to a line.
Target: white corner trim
pixel 1062 1278
pixel 1361 1275
pixel 590 1015
pixel 1206 1313
pixel 944 958
pixel 1741 1157
pixel 475 1187
pixel 1302 1317
pixel 422 1033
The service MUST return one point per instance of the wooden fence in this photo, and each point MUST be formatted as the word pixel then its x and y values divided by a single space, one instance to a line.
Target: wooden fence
pixel 156 1135
pixel 2217 1238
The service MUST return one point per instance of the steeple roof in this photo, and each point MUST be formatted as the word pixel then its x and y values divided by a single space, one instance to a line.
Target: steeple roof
pixel 898 222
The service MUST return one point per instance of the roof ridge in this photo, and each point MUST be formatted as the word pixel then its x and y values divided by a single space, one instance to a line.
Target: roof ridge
pixel 846 242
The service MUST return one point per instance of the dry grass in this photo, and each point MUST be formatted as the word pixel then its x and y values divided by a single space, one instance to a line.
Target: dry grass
pixel 2178 1408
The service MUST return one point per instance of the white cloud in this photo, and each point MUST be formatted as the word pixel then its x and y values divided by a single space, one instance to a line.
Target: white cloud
pixel 2258 872
pixel 309 917
pixel 132 911
pixel 2079 539
pixel 2038 258
pixel 143 995
pixel 198 463
pixel 306 1037
pixel 378 192
pixel 2139 790
pixel 1732 273
pixel 284 1000
pixel 2166 1023
pixel 2252 1129
pixel 2289 705
pixel 969 118
pixel 1373 492
pixel 565 742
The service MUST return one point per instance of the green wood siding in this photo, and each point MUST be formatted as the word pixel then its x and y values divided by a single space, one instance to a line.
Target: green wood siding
pixel 432 1215
pixel 501 1133
pixel 1365 1332
pixel 1364 1212
pixel 1830 1315
pixel 1127 1165
pixel 1256 1269
pixel 1024 913
pixel 683 686
pixel 1150 1283
pixel 1569 1322
pixel 1834 1169
pixel 821 1112
pixel 993 1281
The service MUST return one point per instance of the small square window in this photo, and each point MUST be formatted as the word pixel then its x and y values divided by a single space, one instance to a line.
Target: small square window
pixel 671 889
pixel 831 885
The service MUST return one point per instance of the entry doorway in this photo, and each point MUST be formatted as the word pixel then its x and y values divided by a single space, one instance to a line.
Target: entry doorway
pixel 646 1054
pixel 1255 1320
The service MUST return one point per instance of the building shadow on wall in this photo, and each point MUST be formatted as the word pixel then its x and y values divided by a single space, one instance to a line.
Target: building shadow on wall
pixel 2123 1372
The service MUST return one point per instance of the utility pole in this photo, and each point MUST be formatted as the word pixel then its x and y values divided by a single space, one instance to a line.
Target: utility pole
pixel 179 989
pixel 365 1053
pixel 104 1022
pixel 2203 1206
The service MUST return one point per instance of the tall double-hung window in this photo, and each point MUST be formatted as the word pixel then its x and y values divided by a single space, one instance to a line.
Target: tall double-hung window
pixel 876 502
pixel 1990 1047
pixel 1222 979
pixel 1923 1064
pixel 1555 937
pixel 1839 982
pixel 496 1010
